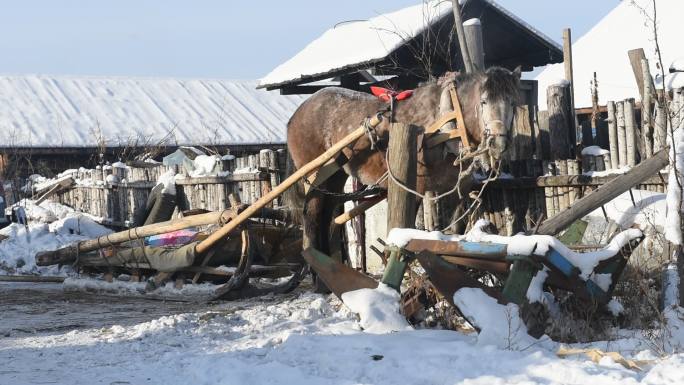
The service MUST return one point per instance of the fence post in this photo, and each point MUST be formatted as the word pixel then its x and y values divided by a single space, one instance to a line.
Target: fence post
pixel 401 204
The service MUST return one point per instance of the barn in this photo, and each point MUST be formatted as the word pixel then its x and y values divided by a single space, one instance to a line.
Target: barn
pixel 52 123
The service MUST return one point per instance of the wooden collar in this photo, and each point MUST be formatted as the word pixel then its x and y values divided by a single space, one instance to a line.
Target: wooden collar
pixel 434 138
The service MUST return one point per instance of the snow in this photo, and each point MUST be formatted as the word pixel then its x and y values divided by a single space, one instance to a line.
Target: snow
pixel 540 244
pixel 473 21
pixel 303 339
pixel 615 171
pixel 615 307
pixel 673 81
pixel 377 308
pixel 400 237
pixel 535 292
pixel 137 289
pixel 358 42
pixel 675 204
pixel 78 111
pixel 594 151
pixel 367 41
pixel 649 210
pixel 677 65
pixel 603 50
pixel 499 325
pixel 51 226
pixel 168 179
pixel 670 286
pixel 205 165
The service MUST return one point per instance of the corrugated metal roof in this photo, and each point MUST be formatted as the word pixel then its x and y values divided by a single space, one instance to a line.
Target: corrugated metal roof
pixel 72 111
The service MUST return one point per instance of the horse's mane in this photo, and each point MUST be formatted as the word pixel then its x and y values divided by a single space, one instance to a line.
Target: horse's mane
pixel 498 82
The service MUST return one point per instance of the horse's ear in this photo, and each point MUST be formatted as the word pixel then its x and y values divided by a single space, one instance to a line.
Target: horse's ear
pixel 517 72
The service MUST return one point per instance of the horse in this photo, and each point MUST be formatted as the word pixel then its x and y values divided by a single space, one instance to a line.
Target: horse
pixel 488 101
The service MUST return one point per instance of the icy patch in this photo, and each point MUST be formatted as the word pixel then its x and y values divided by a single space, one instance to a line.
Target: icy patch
pixel 378 309
pixel 196 291
pixel 499 325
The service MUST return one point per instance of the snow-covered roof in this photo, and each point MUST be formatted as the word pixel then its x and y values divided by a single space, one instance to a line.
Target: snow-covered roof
pixel 71 111
pixel 604 50
pixel 355 43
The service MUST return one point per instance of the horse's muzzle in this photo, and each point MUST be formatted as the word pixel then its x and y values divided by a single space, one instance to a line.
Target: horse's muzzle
pixel 497 146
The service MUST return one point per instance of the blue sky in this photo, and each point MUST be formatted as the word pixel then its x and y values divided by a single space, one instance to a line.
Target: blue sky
pixel 207 38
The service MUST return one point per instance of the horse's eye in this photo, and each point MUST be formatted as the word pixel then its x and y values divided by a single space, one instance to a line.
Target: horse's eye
pixel 483 102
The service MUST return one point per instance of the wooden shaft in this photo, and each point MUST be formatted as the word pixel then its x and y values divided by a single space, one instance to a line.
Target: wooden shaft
pixel 357 210
pixel 605 193
pixel 67 253
pixel 305 170
pixel 460 34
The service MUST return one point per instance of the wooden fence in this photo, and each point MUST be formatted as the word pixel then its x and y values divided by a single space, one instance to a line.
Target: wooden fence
pixel 550 171
pixel 115 194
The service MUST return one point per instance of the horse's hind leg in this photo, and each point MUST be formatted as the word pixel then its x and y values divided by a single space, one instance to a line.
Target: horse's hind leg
pixel 320 209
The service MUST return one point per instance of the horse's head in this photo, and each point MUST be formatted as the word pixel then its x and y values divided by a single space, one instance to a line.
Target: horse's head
pixel 499 91
pixel 488 100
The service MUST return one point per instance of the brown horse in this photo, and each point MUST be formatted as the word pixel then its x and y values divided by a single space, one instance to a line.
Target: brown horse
pixel 488 101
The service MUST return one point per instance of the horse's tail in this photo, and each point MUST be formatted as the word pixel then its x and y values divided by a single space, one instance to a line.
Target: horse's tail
pixel 293 197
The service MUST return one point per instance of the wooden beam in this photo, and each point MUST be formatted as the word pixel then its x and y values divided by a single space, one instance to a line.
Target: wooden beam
pixel 605 194
pixel 635 58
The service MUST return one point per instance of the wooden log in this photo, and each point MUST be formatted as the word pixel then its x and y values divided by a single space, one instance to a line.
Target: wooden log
pixel 548 192
pixel 565 191
pixel 357 210
pixel 557 98
pixel 605 193
pixel 542 135
pixel 301 173
pixel 660 128
pixel 647 110
pixel 473 35
pixel 630 132
pixel 622 135
pixel 401 204
pixel 567 63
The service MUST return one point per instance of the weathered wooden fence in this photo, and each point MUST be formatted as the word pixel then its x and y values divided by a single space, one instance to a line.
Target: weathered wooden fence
pixel 115 194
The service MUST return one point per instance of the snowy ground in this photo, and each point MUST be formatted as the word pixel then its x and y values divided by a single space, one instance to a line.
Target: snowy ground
pixel 300 338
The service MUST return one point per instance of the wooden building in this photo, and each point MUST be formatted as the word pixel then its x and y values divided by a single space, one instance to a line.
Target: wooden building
pixel 408 46
pixel 52 123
